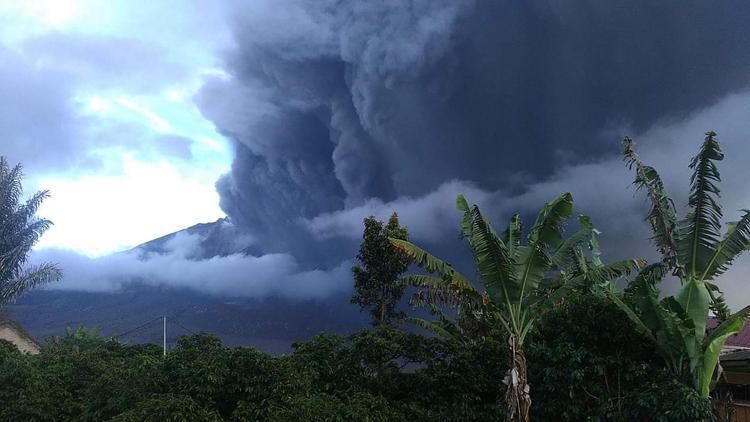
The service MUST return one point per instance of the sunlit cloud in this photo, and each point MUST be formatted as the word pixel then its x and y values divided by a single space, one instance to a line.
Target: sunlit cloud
pixel 51 13
pixel 97 214
pixel 137 159
pixel 54 12
pixel 156 121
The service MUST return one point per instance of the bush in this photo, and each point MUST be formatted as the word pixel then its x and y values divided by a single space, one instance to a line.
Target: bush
pixel 585 359
pixel 668 401
pixel 578 371
pixel 168 408
pixel 23 393
pixel 197 367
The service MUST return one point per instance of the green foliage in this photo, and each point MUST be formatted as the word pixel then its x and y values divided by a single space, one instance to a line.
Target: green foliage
pixel 23 391
pixel 379 375
pixel 514 274
pixel 20 230
pixel 581 371
pixel 325 407
pixel 378 289
pixel 521 281
pixel 167 408
pixel 667 400
pixel 694 249
pixel 198 367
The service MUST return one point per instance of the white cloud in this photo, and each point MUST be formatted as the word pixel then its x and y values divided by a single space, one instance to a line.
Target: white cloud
pixel 233 275
pixel 94 117
pixel 100 214
pixel 428 218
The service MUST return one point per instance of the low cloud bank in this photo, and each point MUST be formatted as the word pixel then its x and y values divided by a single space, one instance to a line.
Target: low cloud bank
pixel 231 275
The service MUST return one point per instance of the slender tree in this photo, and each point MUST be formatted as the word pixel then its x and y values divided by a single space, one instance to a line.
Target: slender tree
pixel 695 251
pixel 521 280
pixel 376 281
pixel 20 229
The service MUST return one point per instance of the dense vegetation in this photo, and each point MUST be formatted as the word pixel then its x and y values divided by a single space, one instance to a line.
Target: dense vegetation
pixel 543 321
pixel 579 372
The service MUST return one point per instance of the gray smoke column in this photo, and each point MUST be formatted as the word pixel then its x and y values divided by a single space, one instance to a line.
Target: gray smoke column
pixel 332 104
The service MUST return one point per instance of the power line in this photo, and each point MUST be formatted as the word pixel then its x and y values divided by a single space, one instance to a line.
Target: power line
pixel 182 326
pixel 139 327
pixel 174 315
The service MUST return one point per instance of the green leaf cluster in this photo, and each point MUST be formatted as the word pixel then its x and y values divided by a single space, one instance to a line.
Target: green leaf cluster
pixel 20 230
pixel 693 249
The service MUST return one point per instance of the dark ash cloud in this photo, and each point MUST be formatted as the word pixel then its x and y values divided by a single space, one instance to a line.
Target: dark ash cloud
pixel 335 106
pixel 338 110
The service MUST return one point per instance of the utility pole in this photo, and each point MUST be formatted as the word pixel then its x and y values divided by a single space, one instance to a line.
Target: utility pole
pixel 165 336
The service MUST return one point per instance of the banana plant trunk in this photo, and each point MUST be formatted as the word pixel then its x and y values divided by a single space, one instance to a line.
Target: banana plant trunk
pixel 517 398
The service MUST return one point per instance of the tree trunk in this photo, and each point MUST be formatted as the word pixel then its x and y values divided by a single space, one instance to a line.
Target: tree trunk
pixel 517 398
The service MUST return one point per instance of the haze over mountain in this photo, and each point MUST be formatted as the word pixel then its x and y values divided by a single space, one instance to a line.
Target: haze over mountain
pixel 296 119
pixel 270 324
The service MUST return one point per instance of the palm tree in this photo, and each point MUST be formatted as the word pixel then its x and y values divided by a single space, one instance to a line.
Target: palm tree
pixel 20 230
pixel 695 251
pixel 520 280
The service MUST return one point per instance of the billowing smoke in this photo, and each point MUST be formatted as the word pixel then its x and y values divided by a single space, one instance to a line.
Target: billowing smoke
pixel 340 109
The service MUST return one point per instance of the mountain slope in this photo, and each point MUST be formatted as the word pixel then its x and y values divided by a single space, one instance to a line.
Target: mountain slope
pixel 271 324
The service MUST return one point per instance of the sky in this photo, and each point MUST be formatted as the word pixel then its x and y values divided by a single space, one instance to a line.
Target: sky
pixel 298 118
pixel 99 112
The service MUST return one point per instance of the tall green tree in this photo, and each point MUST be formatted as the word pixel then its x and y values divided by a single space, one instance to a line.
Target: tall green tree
pixel 521 280
pixel 694 250
pixel 20 230
pixel 376 281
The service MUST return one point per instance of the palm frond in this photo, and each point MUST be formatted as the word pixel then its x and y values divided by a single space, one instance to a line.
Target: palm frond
pixel 736 241
pixel 466 222
pixel 661 216
pixel 444 326
pixel 647 279
pixel 436 327
pixel 11 188
pixel 595 278
pixel 533 259
pixel 564 255
pixel 449 292
pixel 492 258
pixel 20 230
pixel 12 261
pixel 512 235
pixel 420 280
pixel 428 261
pixel 700 231
pixel 614 270
pixel 32 204
pixel 28 279
pixel 548 227
pixel 718 304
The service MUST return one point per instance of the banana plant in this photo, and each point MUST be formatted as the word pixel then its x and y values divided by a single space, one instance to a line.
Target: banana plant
pixel 694 250
pixel 513 274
